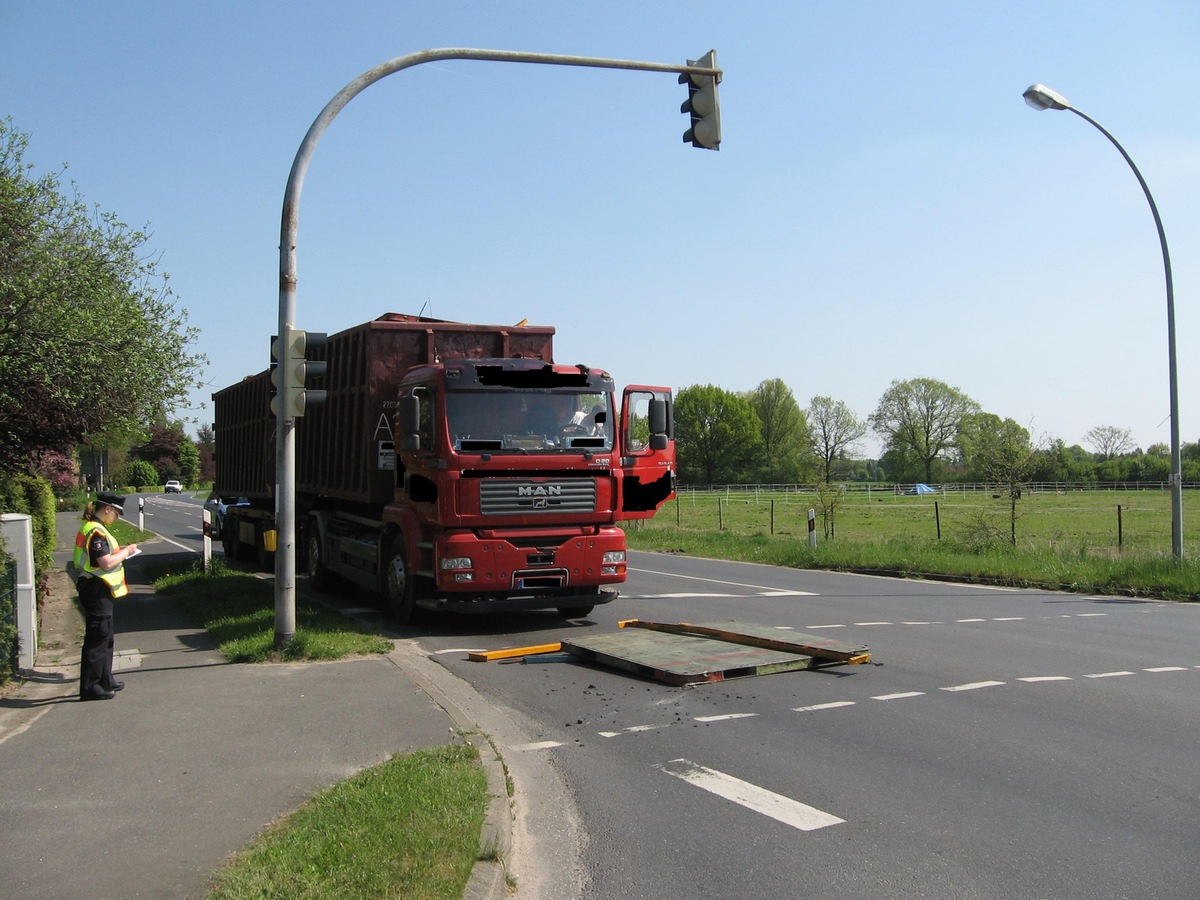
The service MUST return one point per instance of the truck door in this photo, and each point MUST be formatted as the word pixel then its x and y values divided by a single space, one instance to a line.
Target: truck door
pixel 646 451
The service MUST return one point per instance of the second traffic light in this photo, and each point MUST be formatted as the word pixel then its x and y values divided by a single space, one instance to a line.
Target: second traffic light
pixel 293 369
pixel 703 104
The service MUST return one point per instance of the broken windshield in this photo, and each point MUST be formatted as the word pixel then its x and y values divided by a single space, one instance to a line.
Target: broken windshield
pixel 534 420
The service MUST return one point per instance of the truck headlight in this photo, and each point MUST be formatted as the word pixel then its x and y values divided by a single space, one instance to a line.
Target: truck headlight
pixel 455 562
pixel 612 557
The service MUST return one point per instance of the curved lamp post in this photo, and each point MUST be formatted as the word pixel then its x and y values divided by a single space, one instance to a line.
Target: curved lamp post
pixel 1041 97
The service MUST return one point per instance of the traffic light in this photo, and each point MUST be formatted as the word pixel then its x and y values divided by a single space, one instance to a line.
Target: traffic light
pixel 702 104
pixel 291 369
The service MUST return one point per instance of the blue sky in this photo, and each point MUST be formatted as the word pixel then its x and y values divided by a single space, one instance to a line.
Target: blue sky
pixel 884 205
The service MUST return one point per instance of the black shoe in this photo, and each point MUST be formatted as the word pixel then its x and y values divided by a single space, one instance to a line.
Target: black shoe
pixel 115 686
pixel 98 694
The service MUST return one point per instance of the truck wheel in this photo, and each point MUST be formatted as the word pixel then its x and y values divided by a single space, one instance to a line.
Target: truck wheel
pixel 319 575
pixel 398 584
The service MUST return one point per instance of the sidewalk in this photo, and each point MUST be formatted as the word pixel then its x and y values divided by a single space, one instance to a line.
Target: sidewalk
pixel 145 795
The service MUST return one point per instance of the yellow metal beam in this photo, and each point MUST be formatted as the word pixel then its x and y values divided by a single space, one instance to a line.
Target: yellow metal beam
pixel 512 652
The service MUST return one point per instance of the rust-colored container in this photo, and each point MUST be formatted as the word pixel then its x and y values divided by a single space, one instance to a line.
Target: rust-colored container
pixel 344 449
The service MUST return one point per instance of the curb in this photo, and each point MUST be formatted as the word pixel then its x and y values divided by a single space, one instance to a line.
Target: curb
pixel 489 877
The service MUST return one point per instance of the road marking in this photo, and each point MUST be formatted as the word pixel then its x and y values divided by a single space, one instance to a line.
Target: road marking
pixel 973 686
pixel 539 745
pixel 901 696
pixel 1009 619
pixel 835 705
pixel 757 587
pixel 458 650
pixel 1036 678
pixel 970 620
pixel 1089 615
pixel 1107 674
pixel 760 800
pixel 726 717
pixel 1166 669
pixel 872 623
pixel 815 627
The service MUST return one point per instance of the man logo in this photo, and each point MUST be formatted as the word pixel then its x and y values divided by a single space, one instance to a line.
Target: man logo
pixel 539 490
pixel 541 503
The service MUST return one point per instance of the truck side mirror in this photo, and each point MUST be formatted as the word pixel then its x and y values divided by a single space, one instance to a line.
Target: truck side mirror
pixel 410 423
pixel 657 415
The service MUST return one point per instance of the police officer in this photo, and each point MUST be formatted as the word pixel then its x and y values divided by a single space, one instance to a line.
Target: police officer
pixel 100 563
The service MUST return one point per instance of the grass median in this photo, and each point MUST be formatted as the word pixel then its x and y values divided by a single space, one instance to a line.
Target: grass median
pixel 409 827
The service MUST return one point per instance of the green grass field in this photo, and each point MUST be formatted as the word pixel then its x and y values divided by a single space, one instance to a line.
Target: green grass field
pixel 1109 542
pixel 1072 521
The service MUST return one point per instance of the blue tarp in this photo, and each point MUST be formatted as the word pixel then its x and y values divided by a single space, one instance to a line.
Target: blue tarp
pixel 920 489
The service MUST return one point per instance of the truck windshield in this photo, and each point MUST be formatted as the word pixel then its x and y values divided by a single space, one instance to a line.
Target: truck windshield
pixel 528 421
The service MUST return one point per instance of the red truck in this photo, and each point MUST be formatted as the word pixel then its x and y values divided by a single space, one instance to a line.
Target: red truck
pixel 453 467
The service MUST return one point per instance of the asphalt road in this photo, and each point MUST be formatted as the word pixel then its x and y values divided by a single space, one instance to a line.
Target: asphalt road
pixel 1001 743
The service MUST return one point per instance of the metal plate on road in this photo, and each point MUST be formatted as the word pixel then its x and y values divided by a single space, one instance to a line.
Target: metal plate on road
pixel 681 659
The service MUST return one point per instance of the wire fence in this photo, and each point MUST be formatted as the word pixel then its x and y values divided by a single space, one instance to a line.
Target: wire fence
pixel 1064 517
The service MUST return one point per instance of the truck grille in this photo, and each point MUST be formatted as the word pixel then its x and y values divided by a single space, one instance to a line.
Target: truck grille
pixel 502 496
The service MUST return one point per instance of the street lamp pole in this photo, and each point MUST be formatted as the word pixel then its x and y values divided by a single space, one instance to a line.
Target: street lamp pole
pixel 1041 97
pixel 285 430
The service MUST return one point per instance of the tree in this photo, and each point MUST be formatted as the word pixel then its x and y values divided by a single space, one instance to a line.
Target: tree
pixel 92 346
pixel 1109 441
pixel 717 434
pixel 1003 453
pixel 140 474
pixel 920 419
pixel 785 432
pixel 189 463
pixel 835 430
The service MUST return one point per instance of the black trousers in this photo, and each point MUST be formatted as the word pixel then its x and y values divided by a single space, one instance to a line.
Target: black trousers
pixel 96 659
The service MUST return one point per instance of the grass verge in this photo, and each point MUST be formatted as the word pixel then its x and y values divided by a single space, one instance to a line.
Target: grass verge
pixel 407 828
pixel 1100 573
pixel 238 611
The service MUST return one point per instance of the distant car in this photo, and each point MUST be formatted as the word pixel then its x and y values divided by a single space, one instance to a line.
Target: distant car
pixel 217 505
pixel 172 487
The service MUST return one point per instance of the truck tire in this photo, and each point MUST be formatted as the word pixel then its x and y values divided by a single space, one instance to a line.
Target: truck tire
pixel 319 575
pixel 398 588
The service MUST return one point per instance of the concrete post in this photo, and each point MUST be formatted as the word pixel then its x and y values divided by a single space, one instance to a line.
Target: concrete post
pixel 17 529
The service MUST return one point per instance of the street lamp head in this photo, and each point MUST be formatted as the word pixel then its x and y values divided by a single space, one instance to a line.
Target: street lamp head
pixel 1041 97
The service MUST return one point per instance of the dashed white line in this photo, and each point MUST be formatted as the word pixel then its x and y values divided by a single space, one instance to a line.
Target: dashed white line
pixel 903 695
pixel 872 623
pixel 970 620
pixel 725 717
pixel 539 745
pixel 1032 679
pixel 1166 669
pixel 815 627
pixel 835 705
pixel 1107 674
pixel 1009 619
pixel 973 686
pixel 760 800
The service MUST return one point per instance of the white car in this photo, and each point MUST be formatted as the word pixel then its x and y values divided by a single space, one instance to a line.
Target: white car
pixel 172 487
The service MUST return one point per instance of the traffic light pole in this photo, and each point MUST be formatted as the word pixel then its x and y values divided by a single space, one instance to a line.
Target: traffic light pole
pixel 285 428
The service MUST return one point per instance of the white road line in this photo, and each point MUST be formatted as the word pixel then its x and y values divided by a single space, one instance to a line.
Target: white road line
pixel 1036 678
pixel 458 650
pixel 1166 669
pixel 1009 619
pixel 539 745
pixel 970 620
pixel 1107 674
pixel 901 696
pixel 973 686
pixel 757 587
pixel 760 800
pixel 815 627
pixel 835 705
pixel 872 623
pixel 725 718
pixel 1089 615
